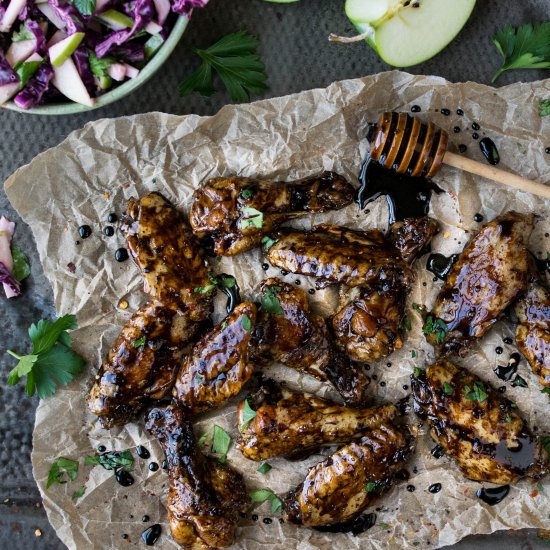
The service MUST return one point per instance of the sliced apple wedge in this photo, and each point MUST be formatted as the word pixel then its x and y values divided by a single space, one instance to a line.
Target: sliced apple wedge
pixel 60 52
pixel 406 33
pixel 67 80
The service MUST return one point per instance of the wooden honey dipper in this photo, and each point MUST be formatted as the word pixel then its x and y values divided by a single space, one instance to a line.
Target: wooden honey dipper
pixel 404 144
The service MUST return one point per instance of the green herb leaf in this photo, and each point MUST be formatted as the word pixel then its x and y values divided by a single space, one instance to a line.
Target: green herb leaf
pixel 270 302
pixel 247 323
pixel 252 218
pixel 384 525
pixel 525 47
pixel 264 495
pixel 378 486
pixel 478 393
pixel 519 381
pixel 203 438
pixel 545 390
pixel 418 372
pixel 99 66
pixel 413 354
pixel 545 442
pixel 247 193
pixel 418 308
pixel 46 333
pixel 447 388
pixel 248 415
pixel 113 460
pixel 508 419
pixel 21 267
pixel 434 325
pixel 221 441
pixel 25 70
pixel 204 289
pixel 544 107
pixel 228 281
pixel 23 34
pixel 79 492
pixel 139 342
pixel 61 467
pixel 234 58
pixel 264 468
pixel 406 324
pixel 268 242
pixel 85 7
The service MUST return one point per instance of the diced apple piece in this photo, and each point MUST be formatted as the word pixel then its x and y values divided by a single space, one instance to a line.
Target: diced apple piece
pixel 117 71
pixel 57 37
pixel 19 51
pixel 10 15
pixel 131 72
pixel 34 57
pixel 99 5
pixel 60 52
pixel 153 28
pixel 361 11
pixel 67 80
pixel 50 14
pixel 163 9
pixel 116 20
pixel 7 91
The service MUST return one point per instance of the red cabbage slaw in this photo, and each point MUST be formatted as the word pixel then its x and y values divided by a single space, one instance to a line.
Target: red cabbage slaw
pixel 51 50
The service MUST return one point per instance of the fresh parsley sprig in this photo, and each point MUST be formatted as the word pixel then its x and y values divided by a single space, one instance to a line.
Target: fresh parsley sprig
pixel 436 326
pixel 267 495
pixel 525 47
pixel 234 58
pixel 477 393
pixel 51 362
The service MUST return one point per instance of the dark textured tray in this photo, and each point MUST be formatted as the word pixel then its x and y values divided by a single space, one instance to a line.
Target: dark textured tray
pixel 298 56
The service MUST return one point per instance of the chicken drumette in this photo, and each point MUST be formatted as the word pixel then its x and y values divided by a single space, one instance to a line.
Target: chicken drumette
pixel 292 424
pixel 218 366
pixel 340 487
pixel 476 426
pixel 205 498
pixel 237 212
pixel 488 276
pixel 290 333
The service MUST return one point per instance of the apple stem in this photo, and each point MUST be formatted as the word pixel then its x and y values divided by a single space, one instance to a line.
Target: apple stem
pixel 349 39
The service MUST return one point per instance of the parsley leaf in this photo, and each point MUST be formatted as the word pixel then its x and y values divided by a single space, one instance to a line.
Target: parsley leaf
pixel 268 242
pixel 85 7
pixel 234 58
pixel 478 393
pixel 61 467
pixel 51 362
pixel 112 460
pixel 377 486
pixel 78 493
pixel 221 441
pixel 247 193
pixel 545 442
pixel 25 70
pixel 544 107
pixel 21 268
pixel 545 390
pixel 406 324
pixel 525 47
pixel 247 323
pixel 270 302
pixel 99 66
pixel 264 468
pixel 138 342
pixel 203 438
pixel 436 326
pixel 23 34
pixel 252 218
pixel 248 415
pixel 264 495
pixel 418 372
pixel 447 388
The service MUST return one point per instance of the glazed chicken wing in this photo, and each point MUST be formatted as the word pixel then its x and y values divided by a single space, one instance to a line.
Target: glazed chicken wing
pixel 164 248
pixel 476 426
pixel 237 212
pixel 288 332
pixel 289 423
pixel 218 365
pixel 412 236
pixel 345 483
pixel 336 254
pixel 533 330
pixel 205 498
pixel 488 276
pixel 143 362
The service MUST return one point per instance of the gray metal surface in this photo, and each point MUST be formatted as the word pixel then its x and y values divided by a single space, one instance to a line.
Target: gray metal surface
pixel 295 49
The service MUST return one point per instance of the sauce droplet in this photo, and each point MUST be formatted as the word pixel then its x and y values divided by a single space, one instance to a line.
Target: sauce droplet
pixel 124 478
pixel 411 488
pixel 142 452
pixel 434 488
pixel 153 466
pixel 462 148
pixel 507 372
pixel 109 231
pixel 493 496
pixel 456 129
pixel 121 255
pixel 151 535
pixel 145 518
pixel 164 465
pixel 478 218
pixel 311 291
pixel 437 451
pixel 475 126
pixel 489 150
pixel 101 449
pixel 499 350
pixel 416 109
pixel 84 231
pixel 445 112
pixel 475 135
pixel 460 112
pixel 508 340
pixel 440 265
pixel 233 292
pixel 112 218
pixel 267 521
pixel 265 267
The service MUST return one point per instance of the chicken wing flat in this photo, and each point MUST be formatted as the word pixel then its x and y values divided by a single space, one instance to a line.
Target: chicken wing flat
pixel 218 366
pixel 345 483
pixel 237 212
pixel 205 498
pixel 488 276
pixel 288 332
pixel 533 330
pixel 143 362
pixel 336 254
pixel 164 248
pixel 412 236
pixel 476 426
pixel 289 423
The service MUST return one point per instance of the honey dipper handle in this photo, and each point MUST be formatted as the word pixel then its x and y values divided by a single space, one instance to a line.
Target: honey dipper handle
pixel 495 174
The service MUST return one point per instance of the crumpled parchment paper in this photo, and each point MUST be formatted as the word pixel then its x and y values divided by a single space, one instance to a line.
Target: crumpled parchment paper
pixel 97 169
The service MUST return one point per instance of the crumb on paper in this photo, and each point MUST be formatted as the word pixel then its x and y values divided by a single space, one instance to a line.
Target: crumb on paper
pixel 123 304
pixel 446 235
pixel 106 196
pixel 37 533
pixel 71 267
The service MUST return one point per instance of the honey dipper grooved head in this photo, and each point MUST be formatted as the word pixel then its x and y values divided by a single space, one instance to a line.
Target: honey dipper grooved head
pixel 404 144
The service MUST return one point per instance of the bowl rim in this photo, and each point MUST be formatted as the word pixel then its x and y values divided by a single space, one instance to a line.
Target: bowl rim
pixel 120 91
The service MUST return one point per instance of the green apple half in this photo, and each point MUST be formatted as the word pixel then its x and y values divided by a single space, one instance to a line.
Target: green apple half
pixel 406 33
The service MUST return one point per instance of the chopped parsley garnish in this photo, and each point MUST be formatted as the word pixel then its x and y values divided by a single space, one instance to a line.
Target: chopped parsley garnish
pixel 221 441
pixel 227 281
pixel 247 323
pixel 264 495
pixel 203 438
pixel 251 218
pixel 447 388
pixel 545 442
pixel 270 302
pixel 268 242
pixel 248 415
pixel 247 193
pixel 544 107
pixel 545 390
pixel 378 486
pixel 78 493
pixel 264 468
pixel 113 460
pixel 436 326
pixel 413 354
pixel 417 372
pixel 51 362
pixel 406 324
pixel 60 468
pixel 139 342
pixel 21 268
pixel 478 392
pixel 508 419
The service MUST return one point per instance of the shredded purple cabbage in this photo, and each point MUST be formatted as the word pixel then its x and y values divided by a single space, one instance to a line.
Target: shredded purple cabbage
pixel 73 19
pixel 31 95
pixel 7 74
pixel 81 59
pixel 7 278
pixel 29 11
pixel 131 52
pixel 36 29
pixel 184 7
